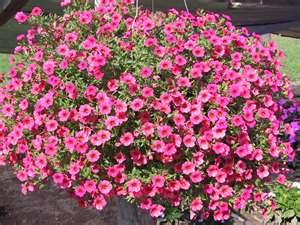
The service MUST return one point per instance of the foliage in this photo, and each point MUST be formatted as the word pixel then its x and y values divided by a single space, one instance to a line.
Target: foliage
pixel 174 112
pixel 288 206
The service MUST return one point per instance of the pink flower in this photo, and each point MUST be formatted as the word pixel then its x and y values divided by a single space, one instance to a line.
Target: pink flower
pixel 179 119
pixel 196 177
pixel 134 185
pixel 93 156
pixel 80 191
pixel 105 187
pixel 196 205
pixel 146 72
pixel 180 60
pixel 164 131
pixel 148 129
pixel 137 104
pixel 51 125
pixel 85 110
pixel 189 141
pixel 157 211
pixel 99 202
pixel 235 90
pixel 158 146
pixel 188 168
pixel 147 92
pixel 105 108
pixel 263 113
pixel 198 51
pixel 48 67
pixel 41 161
pixel 36 11
pixel 63 115
pixel 58 178
pixel 165 65
pixel 8 110
pixel 90 186
pixel 21 17
pixel 85 17
pixel 22 176
pixel 158 181
pixel 101 137
pixel 262 171
pixel 221 148
pixel 127 139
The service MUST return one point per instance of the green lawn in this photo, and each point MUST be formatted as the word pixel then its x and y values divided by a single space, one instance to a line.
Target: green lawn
pixel 290 46
pixel 3 63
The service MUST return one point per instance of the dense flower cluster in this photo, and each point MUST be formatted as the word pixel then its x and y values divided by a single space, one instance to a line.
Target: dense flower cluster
pixel 175 112
pixel 291 115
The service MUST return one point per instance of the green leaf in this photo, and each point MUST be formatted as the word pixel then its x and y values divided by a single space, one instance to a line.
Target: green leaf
pixel 288 214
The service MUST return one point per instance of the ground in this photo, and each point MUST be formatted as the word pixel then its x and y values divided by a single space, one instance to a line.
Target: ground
pixel 291 48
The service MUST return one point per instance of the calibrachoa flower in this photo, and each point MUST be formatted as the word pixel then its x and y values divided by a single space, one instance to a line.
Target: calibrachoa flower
pixel 175 112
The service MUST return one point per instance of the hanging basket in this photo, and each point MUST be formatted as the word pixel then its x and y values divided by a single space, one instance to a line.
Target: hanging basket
pixel 171 111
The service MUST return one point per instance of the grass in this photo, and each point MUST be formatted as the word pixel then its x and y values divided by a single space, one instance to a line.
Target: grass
pixel 4 65
pixel 290 46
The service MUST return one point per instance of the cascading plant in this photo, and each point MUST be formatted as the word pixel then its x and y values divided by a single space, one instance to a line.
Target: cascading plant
pixel 176 112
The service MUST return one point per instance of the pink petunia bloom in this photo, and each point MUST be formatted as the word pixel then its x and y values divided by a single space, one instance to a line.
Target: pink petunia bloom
pixel 49 67
pixel 148 129
pixel 111 122
pixel 41 161
pixel 85 17
pixel 235 90
pixel 170 149
pixel 158 181
pixel 164 131
pixel 105 108
pixel 85 110
pixel 221 148
pixel 196 205
pixel 105 187
pixel 22 176
pixel 80 191
pixel 99 202
pixel 58 178
pixel 137 104
pixel 196 177
pixel 90 186
pixel 134 185
pixel 21 17
pixel 63 115
pixel 8 110
pixel 158 146
pixel 179 119
pixel 51 125
pixel 189 141
pixel 165 65
pixel 198 51
pixel 147 92
pixel 157 211
pixel 93 156
pixel 180 60
pixel 36 11
pixel 262 171
pixel 127 139
pixel 188 168
pixel 101 137
pixel 146 72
